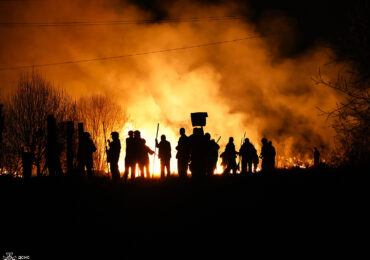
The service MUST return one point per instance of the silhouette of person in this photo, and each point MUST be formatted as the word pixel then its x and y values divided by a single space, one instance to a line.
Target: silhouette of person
pixel 272 154
pixel 139 152
pixel 144 161
pixel 264 155
pixel 197 153
pixel 255 160
pixel 211 153
pixel 89 149
pixel 230 157
pixel 113 155
pixel 247 153
pixel 130 157
pixel 316 157
pixel 214 147
pixel 183 154
pixel 164 155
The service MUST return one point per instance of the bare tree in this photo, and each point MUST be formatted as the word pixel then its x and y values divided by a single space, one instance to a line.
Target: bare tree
pixel 95 110
pixel 352 116
pixel 26 111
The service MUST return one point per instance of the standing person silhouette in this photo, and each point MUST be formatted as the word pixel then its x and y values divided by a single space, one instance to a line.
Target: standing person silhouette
pixel 130 156
pixel 214 147
pixel 89 149
pixel 272 154
pixel 183 154
pixel 113 155
pixel 197 142
pixel 255 160
pixel 164 154
pixel 230 157
pixel 247 152
pixel 209 154
pixel 264 155
pixel 144 161
pixel 139 152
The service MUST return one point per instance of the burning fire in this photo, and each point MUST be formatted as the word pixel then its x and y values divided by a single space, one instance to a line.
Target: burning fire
pixel 245 86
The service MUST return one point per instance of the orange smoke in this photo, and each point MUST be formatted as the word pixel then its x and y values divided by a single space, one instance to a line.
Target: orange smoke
pixel 244 86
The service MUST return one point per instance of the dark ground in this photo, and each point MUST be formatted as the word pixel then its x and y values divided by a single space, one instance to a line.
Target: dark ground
pixel 297 212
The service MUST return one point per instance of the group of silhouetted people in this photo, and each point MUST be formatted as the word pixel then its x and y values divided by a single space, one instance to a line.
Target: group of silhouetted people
pixel 248 157
pixel 200 153
pixel 197 153
pixel 137 154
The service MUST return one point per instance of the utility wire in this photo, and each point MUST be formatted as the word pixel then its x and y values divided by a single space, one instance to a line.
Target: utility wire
pixel 136 54
pixel 120 22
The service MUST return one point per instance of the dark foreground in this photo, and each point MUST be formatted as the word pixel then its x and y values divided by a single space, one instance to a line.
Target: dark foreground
pixel 291 212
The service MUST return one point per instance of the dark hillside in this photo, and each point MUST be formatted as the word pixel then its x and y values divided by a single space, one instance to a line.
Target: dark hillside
pixel 304 208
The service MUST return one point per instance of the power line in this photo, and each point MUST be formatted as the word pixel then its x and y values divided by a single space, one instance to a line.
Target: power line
pixel 136 54
pixel 120 22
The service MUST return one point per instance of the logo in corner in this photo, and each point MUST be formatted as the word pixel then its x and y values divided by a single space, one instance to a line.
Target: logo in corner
pixel 9 256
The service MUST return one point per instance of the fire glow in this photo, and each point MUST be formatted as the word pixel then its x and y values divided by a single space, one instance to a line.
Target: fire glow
pixel 246 87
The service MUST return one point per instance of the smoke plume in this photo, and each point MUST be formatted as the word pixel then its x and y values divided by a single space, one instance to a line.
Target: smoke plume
pixel 245 86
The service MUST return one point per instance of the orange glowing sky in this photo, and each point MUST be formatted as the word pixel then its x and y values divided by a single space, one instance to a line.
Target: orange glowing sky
pixel 243 86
